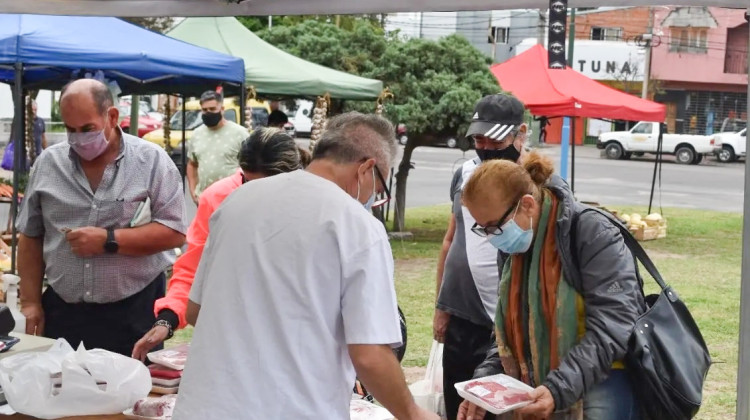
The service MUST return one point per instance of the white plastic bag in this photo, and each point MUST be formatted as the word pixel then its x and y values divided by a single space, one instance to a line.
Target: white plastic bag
pixel 428 393
pixel 29 379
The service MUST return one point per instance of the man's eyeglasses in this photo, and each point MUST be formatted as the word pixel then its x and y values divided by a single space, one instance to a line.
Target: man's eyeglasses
pixel 387 198
pixel 494 229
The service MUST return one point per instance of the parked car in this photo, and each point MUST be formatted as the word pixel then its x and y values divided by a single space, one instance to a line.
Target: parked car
pixel 733 145
pixel 402 136
pixel 146 124
pixel 643 138
pixel 145 106
pixel 193 120
pixel 301 117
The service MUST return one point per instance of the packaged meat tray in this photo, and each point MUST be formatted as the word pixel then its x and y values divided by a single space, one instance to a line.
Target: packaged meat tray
pixel 365 410
pixel 151 408
pixel 163 372
pixel 174 357
pixel 497 394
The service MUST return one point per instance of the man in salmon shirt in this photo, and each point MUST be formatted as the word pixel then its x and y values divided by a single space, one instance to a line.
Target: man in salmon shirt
pixel 267 152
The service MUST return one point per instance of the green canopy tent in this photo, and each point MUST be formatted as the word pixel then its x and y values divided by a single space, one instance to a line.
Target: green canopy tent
pixel 269 70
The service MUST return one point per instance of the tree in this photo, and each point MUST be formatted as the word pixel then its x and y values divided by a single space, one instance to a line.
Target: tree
pixel 435 87
pixel 346 22
pixel 156 24
pixel 435 83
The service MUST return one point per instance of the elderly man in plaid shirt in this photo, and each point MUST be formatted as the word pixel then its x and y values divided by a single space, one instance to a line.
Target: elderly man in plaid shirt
pixel 101 213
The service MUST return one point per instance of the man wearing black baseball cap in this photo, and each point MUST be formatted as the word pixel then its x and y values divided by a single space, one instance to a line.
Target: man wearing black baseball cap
pixel 468 275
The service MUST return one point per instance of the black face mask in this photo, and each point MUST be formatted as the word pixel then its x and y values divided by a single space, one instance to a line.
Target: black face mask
pixel 509 153
pixel 211 119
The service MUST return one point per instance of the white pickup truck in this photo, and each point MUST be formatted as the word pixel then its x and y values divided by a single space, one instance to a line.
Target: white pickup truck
pixel 733 145
pixel 643 138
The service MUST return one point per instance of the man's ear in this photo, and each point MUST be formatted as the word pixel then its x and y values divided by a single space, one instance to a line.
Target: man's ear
pixel 366 166
pixel 114 115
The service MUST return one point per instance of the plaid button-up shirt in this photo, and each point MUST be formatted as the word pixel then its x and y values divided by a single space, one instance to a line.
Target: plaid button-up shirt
pixel 59 196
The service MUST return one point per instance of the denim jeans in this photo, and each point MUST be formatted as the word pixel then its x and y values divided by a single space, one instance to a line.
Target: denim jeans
pixel 612 399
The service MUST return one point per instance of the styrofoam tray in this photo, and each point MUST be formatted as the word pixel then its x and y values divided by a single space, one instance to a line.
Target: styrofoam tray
pixel 164 390
pixel 129 414
pixel 504 380
pixel 165 382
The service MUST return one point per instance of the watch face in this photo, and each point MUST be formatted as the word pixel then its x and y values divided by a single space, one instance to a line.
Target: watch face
pixel 111 247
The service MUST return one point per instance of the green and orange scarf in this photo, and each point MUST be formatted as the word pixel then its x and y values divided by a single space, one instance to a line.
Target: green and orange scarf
pixel 539 315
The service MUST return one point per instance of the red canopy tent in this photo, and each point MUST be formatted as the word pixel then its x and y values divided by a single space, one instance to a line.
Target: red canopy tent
pixel 568 93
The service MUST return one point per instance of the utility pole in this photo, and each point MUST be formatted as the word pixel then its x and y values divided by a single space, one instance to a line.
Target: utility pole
pixel 270 21
pixel 421 18
pixel 493 34
pixel 541 27
pixel 647 38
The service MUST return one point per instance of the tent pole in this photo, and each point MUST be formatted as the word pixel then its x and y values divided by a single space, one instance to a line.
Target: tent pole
pixel 573 155
pixel 743 373
pixel 18 143
pixel 183 145
pixel 243 103
pixel 657 163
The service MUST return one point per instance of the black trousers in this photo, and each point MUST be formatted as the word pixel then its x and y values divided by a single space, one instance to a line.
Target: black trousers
pixel 466 345
pixel 115 326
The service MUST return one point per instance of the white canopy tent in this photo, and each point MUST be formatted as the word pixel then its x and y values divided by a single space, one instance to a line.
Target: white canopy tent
pixel 155 8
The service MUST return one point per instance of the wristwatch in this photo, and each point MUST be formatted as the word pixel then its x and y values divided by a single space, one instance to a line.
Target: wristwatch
pixel 111 246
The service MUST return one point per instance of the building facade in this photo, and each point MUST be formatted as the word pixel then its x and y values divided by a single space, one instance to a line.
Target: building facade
pixel 496 33
pixel 700 68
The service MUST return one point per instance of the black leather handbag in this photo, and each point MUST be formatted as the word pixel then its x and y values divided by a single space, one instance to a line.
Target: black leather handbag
pixel 667 358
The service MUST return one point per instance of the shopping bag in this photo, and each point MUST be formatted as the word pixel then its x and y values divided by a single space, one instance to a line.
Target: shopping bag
pixel 7 162
pixel 428 392
pixel 61 382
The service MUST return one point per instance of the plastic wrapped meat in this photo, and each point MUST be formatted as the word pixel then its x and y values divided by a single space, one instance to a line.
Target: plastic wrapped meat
pixel 155 407
pixel 173 358
pixel 497 395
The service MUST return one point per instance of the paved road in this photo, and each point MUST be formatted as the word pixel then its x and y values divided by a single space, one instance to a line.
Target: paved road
pixel 710 185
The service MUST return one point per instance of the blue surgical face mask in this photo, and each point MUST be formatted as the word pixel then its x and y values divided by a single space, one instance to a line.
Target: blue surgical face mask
pixel 513 240
pixel 371 200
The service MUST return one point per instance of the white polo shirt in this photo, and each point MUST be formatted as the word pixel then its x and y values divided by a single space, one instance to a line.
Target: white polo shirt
pixel 293 271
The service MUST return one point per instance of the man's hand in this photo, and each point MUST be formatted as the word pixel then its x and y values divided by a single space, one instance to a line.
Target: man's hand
pixel 195 198
pixel 440 324
pixel 470 411
pixel 34 318
pixel 153 338
pixel 87 241
pixel 542 406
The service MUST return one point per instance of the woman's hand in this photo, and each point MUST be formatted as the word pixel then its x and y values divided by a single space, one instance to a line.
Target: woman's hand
pixel 541 407
pixel 153 338
pixel 469 411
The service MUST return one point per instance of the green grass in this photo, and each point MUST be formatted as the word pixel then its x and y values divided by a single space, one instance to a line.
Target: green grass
pixel 700 258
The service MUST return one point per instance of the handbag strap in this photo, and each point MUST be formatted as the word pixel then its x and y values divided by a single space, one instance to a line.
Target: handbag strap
pixel 638 252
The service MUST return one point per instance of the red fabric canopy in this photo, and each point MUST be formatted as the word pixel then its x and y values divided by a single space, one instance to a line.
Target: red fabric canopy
pixel 568 93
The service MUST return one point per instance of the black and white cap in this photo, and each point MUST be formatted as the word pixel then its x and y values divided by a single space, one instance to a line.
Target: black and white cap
pixel 495 116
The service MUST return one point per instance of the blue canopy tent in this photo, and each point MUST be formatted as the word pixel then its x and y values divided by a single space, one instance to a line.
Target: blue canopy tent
pixel 46 52
pixel 51 48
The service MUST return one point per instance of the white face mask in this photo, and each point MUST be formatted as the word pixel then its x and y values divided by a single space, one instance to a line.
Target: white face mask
pixel 371 200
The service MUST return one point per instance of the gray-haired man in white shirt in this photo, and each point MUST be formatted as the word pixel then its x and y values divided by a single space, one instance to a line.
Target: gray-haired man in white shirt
pixel 296 291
